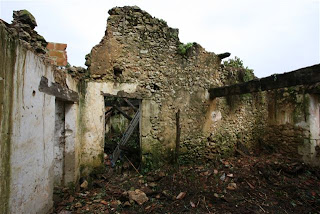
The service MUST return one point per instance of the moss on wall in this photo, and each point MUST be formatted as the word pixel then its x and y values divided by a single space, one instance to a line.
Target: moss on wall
pixel 8 47
pixel 155 156
pixel 288 127
pixel 82 89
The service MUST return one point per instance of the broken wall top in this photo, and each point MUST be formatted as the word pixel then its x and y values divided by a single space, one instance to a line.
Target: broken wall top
pixel 22 30
pixel 138 48
pixel 22 26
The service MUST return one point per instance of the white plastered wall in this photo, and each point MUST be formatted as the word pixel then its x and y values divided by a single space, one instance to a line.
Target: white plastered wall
pixel 31 184
pixel 72 146
pixel 314 122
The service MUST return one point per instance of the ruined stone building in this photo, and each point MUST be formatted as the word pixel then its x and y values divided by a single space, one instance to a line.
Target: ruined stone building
pixel 54 117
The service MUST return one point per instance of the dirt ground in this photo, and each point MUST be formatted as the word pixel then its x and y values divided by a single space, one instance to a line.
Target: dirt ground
pixel 244 184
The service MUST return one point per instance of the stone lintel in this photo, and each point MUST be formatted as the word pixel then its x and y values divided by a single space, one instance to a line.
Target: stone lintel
pixel 58 91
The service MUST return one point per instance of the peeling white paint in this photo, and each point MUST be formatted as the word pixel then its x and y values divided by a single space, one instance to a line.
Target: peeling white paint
pixel 31 184
pixel 216 116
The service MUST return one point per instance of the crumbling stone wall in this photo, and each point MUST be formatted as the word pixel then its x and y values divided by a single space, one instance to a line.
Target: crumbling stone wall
pixel 23 25
pixel 293 123
pixel 235 121
pixel 141 50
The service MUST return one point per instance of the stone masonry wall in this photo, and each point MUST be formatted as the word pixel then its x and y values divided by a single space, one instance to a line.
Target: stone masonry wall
pixel 141 50
pixel 236 121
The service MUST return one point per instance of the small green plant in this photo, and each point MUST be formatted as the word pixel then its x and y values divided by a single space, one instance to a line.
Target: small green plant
pixel 72 187
pixel 183 48
pixel 246 73
pixel 236 63
pixel 148 165
pixel 163 21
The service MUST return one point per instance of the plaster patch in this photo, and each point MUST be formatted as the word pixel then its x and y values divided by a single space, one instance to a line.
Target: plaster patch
pixel 216 116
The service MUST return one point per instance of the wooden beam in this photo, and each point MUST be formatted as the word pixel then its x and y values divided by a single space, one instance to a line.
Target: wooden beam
pixel 123 113
pixel 178 133
pixel 58 91
pixel 121 103
pixel 108 111
pixel 122 94
pixel 130 104
pixel 107 116
pixel 304 76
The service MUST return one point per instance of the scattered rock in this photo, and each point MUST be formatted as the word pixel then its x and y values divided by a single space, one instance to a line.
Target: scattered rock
pixel 115 203
pixel 230 175
pixel 192 204
pixel 78 205
pixel 84 185
pixel 232 186
pixel 104 202
pixel 181 195
pixel 223 177
pixel 126 204
pixel 138 196
pixel 146 190
pixel 152 184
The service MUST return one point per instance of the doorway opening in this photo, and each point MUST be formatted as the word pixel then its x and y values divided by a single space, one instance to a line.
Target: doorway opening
pixel 65 170
pixel 122 130
pixel 59 143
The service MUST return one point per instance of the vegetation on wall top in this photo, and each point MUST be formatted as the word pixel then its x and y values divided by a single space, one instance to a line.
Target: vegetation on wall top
pixel 183 48
pixel 247 73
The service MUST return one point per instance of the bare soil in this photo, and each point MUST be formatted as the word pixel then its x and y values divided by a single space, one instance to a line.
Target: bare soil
pixel 244 184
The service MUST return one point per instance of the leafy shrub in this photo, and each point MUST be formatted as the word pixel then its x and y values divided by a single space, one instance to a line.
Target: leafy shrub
pixel 246 73
pixel 183 48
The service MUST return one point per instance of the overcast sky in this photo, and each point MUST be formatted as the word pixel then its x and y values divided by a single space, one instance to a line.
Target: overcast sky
pixel 270 36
